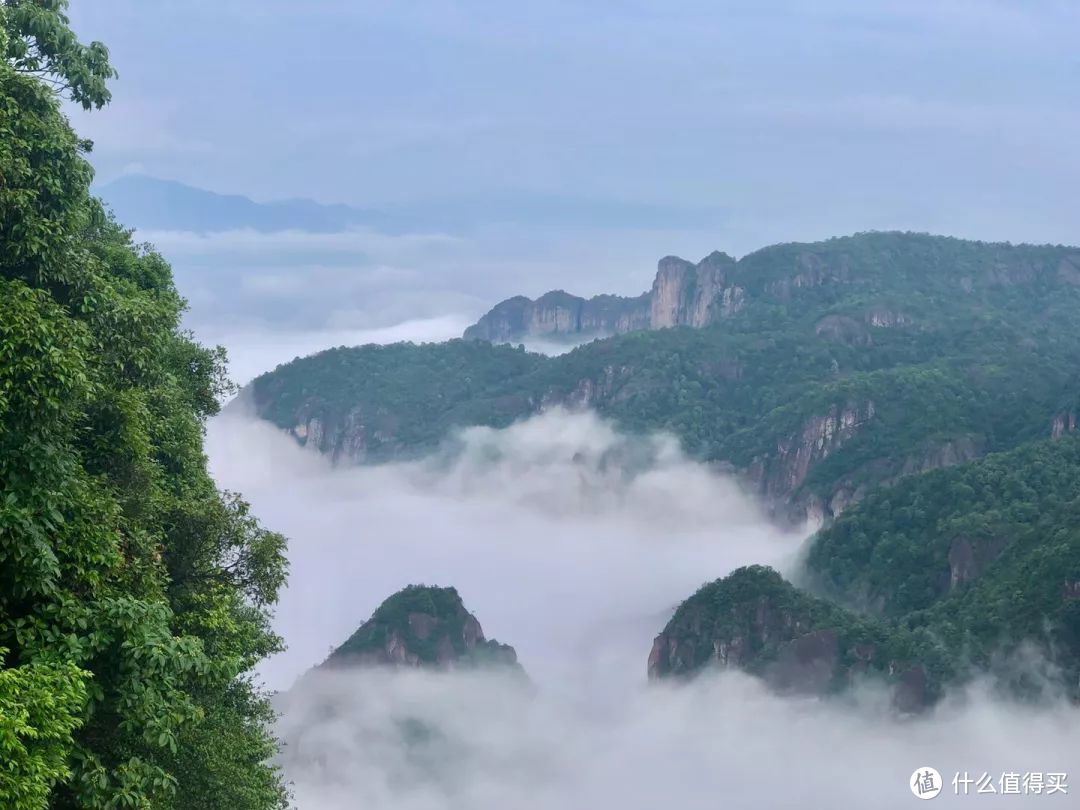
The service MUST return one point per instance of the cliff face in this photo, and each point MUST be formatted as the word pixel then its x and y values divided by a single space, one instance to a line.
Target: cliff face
pixel 782 472
pixel 422 627
pixel 557 314
pixel 683 294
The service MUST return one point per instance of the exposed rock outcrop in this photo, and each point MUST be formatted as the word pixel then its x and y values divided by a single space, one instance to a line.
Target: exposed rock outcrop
pixel 685 294
pixel 422 627
pixel 348 439
pixel 718 287
pixel 559 314
pixel 782 472
pixel 754 621
pixel 1063 423
pixel 969 557
pixel 682 294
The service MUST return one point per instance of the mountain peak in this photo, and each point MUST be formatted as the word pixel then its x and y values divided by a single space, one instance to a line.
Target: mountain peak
pixel 422 627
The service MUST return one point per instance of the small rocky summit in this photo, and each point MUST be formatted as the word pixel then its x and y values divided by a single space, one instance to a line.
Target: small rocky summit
pixel 755 621
pixel 422 627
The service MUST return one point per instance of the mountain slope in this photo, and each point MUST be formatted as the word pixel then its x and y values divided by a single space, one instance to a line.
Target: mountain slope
pixel 949 574
pixel 422 626
pixel 850 363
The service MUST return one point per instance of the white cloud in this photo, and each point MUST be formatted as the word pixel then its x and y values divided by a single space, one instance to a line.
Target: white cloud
pixel 572 542
pixel 253 350
pixel 547 528
pixel 479 742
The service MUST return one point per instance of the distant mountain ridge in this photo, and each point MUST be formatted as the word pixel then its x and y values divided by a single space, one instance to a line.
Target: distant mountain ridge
pixel 151 203
pixel 918 395
pixel 717 288
pixel 155 204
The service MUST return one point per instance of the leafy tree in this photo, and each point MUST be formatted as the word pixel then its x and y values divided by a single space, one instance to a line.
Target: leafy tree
pixel 38 40
pixel 134 597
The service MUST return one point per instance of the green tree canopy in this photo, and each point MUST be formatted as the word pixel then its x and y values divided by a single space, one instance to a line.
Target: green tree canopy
pixel 36 38
pixel 134 596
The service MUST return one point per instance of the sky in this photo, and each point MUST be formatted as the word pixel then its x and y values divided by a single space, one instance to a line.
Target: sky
pixel 957 115
pixel 574 542
pixel 741 124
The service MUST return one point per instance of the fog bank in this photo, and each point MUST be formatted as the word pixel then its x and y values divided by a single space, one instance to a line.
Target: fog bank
pixel 572 542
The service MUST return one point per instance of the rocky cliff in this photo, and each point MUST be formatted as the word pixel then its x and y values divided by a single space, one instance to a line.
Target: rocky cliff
pixel 683 294
pixel 422 627
pixel 754 621
pixel 559 314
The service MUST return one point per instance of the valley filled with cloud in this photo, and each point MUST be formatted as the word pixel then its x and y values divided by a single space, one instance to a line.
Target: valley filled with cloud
pixel 574 543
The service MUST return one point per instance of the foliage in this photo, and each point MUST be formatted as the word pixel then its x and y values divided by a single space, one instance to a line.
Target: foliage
pixel 1007 523
pixel 447 630
pixel 885 573
pixel 408 396
pixel 134 597
pixel 755 611
pixel 981 341
pixel 37 40
pixel 40 706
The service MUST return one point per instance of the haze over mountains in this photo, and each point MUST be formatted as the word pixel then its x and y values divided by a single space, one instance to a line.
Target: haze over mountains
pixel 273 281
pixel 796 368
pixel 158 204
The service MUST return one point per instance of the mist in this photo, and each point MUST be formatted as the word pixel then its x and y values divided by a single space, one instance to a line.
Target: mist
pixel 573 542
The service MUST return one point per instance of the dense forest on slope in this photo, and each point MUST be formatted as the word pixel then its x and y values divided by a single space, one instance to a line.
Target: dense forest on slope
pixel 949 573
pixel 134 597
pixel 809 389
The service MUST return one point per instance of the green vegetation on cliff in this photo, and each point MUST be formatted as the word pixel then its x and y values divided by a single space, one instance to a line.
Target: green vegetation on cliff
pixel 810 388
pixel 134 597
pixel 986 553
pixel 408 395
pixel 754 620
pixel 422 626
pixel 960 570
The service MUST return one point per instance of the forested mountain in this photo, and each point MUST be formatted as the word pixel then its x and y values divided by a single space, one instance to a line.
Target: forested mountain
pixel 918 390
pixel 951 573
pixel 919 273
pixel 422 626
pixel 134 596
pixel 849 363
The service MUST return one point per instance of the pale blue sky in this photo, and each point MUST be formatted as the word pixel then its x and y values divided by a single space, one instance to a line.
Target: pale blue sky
pixel 783 120
pixel 901 110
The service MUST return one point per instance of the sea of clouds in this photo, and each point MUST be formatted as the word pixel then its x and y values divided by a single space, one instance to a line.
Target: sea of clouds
pixel 574 543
